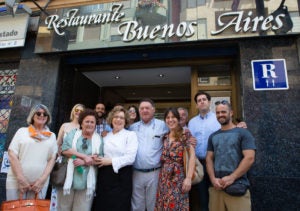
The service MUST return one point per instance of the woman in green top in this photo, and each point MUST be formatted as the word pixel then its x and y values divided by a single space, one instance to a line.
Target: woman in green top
pixel 80 146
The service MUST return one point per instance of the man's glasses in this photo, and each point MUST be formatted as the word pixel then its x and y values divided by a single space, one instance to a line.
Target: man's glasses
pixel 78 110
pixel 41 113
pixel 223 102
pixel 84 145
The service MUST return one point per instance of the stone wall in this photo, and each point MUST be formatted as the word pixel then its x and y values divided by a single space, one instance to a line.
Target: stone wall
pixel 36 83
pixel 274 118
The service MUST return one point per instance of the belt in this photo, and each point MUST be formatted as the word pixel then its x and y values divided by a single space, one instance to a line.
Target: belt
pixel 147 170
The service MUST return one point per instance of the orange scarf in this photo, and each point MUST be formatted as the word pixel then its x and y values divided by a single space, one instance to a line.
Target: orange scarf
pixel 42 135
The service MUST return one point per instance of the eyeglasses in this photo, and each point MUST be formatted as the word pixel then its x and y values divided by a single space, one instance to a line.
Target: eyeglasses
pixel 78 110
pixel 84 145
pixel 223 102
pixel 131 111
pixel 119 117
pixel 41 113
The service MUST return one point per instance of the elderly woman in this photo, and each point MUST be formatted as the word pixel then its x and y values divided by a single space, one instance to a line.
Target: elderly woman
pixel 114 183
pixel 32 154
pixel 80 146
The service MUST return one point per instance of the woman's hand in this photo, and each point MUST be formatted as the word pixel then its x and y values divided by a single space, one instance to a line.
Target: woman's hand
pixel 187 185
pixel 102 161
pixel 88 160
pixel 38 185
pixel 78 162
pixel 23 184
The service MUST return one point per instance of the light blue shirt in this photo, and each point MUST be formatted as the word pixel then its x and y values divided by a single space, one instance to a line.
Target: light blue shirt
pixel 201 128
pixel 150 143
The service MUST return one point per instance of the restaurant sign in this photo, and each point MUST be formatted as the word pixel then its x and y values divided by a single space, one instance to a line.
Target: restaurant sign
pixel 119 24
pixel 13 30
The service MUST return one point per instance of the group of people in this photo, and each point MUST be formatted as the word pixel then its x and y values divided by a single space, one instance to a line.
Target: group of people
pixel 131 160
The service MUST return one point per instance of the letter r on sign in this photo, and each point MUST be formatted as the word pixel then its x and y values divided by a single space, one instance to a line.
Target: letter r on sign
pixel 269 74
pixel 268 68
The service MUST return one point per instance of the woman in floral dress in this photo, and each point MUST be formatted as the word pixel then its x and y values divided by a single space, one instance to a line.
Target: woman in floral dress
pixel 174 185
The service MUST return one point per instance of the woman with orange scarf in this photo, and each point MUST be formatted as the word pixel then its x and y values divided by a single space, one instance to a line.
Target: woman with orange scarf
pixel 31 154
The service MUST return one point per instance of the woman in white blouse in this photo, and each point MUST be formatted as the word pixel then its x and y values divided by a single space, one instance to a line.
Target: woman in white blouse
pixel 114 182
pixel 32 156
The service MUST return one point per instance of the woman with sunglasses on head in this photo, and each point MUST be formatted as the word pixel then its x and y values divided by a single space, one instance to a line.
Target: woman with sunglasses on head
pixel 68 126
pixel 134 115
pixel 31 154
pixel 80 146
pixel 114 183
pixel 57 192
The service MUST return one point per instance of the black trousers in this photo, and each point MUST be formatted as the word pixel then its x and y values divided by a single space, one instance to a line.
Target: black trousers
pixel 113 191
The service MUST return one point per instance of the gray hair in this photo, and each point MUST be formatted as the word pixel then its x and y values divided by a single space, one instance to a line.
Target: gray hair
pixel 34 109
pixel 184 109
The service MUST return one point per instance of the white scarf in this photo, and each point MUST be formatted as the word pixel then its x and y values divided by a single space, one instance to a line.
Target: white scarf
pixel 91 177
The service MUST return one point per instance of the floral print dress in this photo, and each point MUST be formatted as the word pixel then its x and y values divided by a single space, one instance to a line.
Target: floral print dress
pixel 169 192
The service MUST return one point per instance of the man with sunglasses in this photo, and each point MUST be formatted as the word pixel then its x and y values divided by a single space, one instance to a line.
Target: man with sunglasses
pixel 230 154
pixel 201 127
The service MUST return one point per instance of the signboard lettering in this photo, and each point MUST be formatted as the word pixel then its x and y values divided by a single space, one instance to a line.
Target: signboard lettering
pixel 12 33
pixel 53 21
pixel 248 23
pixel 134 32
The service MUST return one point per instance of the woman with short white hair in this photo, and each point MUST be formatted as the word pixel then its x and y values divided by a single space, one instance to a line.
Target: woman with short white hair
pixel 31 154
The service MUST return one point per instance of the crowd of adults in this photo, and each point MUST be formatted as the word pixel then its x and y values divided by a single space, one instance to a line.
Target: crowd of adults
pixel 130 160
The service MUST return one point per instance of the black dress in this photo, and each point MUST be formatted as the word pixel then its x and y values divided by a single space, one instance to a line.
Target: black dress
pixel 113 191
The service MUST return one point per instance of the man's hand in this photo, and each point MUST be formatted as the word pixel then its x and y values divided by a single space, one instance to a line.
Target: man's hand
pixel 242 125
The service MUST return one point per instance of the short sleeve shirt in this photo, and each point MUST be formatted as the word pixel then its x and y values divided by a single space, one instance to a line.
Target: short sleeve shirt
pixel 228 146
pixel 33 156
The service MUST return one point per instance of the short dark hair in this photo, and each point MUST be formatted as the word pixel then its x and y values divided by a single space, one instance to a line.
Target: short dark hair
pixel 147 100
pixel 85 113
pixel 202 93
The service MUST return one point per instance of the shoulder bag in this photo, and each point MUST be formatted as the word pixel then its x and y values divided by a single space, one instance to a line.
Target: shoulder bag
pixel 26 204
pixel 237 188
pixel 59 172
pixel 198 173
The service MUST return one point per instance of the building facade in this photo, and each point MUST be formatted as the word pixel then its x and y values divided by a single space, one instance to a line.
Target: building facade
pixel 245 51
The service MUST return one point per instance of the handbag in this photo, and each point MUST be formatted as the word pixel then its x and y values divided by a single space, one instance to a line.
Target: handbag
pixel 26 204
pixel 198 173
pixel 59 172
pixel 236 189
pixel 287 23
